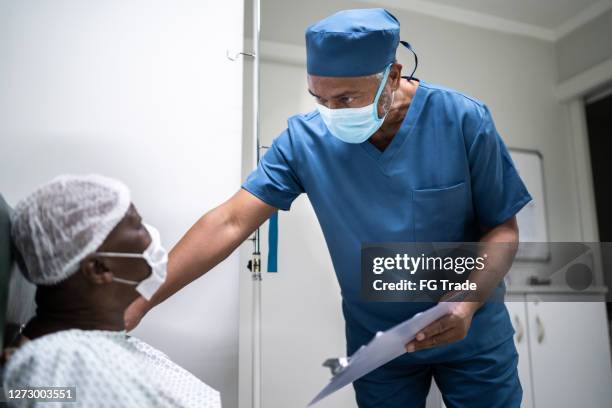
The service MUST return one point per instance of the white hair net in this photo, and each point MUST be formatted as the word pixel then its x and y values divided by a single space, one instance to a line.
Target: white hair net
pixel 65 220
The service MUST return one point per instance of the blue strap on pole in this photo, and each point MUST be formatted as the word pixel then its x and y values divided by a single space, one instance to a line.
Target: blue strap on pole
pixel 273 243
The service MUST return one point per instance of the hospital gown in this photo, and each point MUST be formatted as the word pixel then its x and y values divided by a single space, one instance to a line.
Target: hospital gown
pixel 108 369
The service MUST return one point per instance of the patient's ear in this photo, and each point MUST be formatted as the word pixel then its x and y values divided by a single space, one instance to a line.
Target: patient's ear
pixel 96 271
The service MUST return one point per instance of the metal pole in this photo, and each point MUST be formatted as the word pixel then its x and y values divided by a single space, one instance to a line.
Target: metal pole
pixel 256 270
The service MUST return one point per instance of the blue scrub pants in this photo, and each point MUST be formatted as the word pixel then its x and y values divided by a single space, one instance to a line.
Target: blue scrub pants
pixel 488 379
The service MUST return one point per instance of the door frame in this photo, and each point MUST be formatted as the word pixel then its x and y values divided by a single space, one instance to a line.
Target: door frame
pixel 572 93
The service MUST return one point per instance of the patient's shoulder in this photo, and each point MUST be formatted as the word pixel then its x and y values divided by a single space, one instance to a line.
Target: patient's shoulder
pixel 67 355
pixel 107 366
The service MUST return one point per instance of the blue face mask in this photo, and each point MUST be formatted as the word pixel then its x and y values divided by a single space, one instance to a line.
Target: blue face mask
pixel 355 125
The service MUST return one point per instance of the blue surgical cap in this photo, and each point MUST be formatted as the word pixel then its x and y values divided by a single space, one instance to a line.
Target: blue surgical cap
pixel 352 43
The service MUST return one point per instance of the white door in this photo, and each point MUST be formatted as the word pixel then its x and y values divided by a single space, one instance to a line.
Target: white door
pixel 570 353
pixel 302 322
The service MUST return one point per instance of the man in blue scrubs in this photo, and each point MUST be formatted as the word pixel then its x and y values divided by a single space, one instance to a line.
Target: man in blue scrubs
pixel 383 158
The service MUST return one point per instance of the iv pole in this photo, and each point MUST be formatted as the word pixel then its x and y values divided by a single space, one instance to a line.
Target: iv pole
pixel 254 264
pixel 256 259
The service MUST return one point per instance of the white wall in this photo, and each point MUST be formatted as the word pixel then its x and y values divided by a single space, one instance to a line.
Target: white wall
pixel 574 56
pixel 141 91
pixel 514 75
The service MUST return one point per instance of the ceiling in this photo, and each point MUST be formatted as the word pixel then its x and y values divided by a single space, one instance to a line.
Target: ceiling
pixel 544 13
pixel 545 19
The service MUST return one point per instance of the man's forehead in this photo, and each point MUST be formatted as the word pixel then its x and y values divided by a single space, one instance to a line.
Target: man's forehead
pixel 338 86
pixel 131 214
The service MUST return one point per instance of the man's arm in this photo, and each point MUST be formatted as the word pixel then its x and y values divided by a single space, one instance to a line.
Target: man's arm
pixel 208 242
pixel 500 243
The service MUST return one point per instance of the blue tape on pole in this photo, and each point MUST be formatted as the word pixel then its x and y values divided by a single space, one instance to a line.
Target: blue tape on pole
pixel 273 243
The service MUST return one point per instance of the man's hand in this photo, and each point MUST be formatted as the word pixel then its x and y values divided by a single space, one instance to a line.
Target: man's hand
pixel 135 312
pixel 448 329
pixel 500 244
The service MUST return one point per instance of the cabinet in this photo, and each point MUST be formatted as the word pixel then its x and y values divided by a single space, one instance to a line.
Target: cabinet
pixel 564 354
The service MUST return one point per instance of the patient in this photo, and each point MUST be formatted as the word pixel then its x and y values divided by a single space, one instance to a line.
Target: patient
pixel 87 250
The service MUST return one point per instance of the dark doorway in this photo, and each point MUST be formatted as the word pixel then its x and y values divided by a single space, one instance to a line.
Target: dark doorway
pixel 599 124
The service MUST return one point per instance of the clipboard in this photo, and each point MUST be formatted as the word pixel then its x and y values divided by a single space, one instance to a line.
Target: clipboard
pixel 384 347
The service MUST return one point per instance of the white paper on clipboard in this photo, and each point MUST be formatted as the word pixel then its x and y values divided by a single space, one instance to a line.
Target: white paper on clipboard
pixel 384 347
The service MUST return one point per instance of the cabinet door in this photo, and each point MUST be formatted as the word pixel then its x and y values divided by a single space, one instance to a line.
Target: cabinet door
pixel 518 314
pixel 570 353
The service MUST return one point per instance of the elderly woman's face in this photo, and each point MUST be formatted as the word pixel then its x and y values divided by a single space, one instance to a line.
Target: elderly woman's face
pixel 130 236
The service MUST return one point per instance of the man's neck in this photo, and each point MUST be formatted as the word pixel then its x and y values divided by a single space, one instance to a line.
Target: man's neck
pixel 47 322
pixel 397 113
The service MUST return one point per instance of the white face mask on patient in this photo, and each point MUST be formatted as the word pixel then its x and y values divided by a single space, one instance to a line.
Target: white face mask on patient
pixel 156 257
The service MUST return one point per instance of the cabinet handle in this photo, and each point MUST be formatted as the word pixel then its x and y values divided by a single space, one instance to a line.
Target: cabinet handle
pixel 541 331
pixel 519 329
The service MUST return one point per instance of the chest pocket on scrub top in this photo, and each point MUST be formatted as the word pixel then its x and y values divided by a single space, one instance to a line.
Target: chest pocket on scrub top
pixel 441 214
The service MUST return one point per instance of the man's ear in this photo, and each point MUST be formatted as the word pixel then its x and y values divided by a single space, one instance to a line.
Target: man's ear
pixel 96 271
pixel 395 76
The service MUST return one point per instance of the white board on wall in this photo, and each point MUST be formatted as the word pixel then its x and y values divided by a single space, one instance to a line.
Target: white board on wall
pixel 141 91
pixel 532 218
